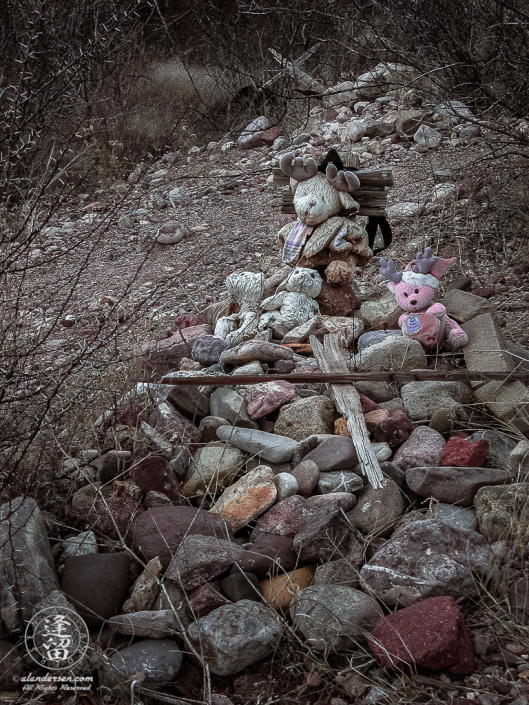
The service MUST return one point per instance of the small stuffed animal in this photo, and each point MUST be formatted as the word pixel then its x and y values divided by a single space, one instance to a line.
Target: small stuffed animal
pixel 296 305
pixel 414 290
pixel 247 289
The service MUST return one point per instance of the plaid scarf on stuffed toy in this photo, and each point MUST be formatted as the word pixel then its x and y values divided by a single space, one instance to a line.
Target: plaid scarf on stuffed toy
pixel 296 241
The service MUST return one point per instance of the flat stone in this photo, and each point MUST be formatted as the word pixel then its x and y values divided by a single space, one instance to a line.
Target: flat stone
pixel 406 209
pixel 306 417
pixel 286 485
pixel 392 472
pixel 376 511
pixel 427 559
pixel 267 446
pixel 281 590
pixel 145 588
pixel 459 452
pixel 502 512
pixel 458 517
pixel 306 475
pixel 463 306
pixel 423 447
pixel 339 481
pixel 234 637
pixel 248 498
pixel 333 617
pixel 422 399
pixel 286 518
pixel 431 634
pixel 325 534
pixel 508 402
pixel 262 399
pixel 268 555
pixel 213 467
pixel 373 337
pixel 500 447
pixel 208 350
pixel 96 585
pixel 230 405
pixel 159 660
pixel 200 559
pixel 170 351
pixel 242 586
pixel 385 312
pixel 25 554
pixel 336 453
pixel 343 500
pixel 301 333
pixel 339 572
pixel 519 461
pixel 160 531
pixel 255 350
pixel 452 484
pixel 190 400
pixel 399 354
pixel 486 349
pixel 154 625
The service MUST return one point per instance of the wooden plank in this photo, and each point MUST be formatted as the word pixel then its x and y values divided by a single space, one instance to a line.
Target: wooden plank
pixel 330 359
pixel 364 210
pixel 367 177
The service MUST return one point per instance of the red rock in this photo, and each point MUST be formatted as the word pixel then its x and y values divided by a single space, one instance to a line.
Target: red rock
pixel 174 427
pixel 374 418
pixel 269 136
pixel 336 300
pixel 367 404
pixel 430 634
pixel 424 447
pixel 153 473
pixel 285 518
pixel 262 399
pixel 465 454
pixel 268 555
pixel 160 531
pixel 329 114
pixel 206 598
pixel 484 291
pixel 187 320
pixel 394 430
pixel 103 516
pixel 172 350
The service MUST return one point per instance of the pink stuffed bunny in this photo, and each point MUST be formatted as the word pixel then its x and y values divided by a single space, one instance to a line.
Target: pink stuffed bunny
pixel 414 290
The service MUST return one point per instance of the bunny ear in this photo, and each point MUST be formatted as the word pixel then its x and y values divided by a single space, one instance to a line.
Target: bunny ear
pixel 441 267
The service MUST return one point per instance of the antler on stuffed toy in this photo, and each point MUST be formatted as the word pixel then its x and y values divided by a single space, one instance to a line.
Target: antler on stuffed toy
pixel 390 271
pixel 424 262
pixel 296 168
pixel 342 180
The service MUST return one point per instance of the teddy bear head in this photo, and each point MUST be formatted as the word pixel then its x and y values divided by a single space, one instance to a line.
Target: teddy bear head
pixel 415 288
pixel 319 192
pixel 245 286
pixel 304 281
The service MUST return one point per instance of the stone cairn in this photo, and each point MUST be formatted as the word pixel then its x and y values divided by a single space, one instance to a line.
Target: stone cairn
pixel 266 501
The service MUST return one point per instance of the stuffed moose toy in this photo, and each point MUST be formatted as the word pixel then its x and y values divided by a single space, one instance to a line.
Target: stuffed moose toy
pixel 320 239
pixel 414 290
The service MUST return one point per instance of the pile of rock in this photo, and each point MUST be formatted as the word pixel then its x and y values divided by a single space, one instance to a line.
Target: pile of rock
pixel 251 511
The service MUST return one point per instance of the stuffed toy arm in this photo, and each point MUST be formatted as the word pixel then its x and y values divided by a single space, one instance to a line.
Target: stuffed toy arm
pixel 273 303
pixel 438 310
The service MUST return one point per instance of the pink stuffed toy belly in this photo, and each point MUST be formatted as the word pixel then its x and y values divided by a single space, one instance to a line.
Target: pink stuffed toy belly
pixel 423 327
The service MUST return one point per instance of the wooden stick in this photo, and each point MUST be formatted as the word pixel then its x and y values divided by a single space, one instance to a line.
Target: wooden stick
pixel 330 359
pixel 346 378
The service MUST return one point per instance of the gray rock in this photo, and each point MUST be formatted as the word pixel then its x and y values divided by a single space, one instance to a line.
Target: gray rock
pixel 83 544
pixel 382 452
pixel 301 138
pixel 486 348
pixel 255 350
pixel 462 306
pixel 306 417
pixel 503 513
pixel 458 517
pixel 519 356
pixel 236 636
pixel 336 453
pixel 178 195
pixel 519 459
pixel 470 131
pixel 339 481
pixel 377 391
pixel 454 111
pixel 422 399
pixel 228 404
pixel 427 137
pixel 398 353
pixel 445 193
pixel 376 511
pixel 306 475
pixel 334 617
pixel 268 446
pixel 427 559
pixel 199 559
pixel 452 485
pixel 207 350
pixel 383 312
pixel 286 485
pixel 344 500
pixel 500 448
pixel 423 447
pixel 392 472
pixel 441 176
pixel 251 136
pixel 156 499
pixel 241 586
pixel 213 468
pixel 373 337
pixel 326 534
pixel 340 572
pixel 189 400
pixel 25 554
pixel 159 660
pixel 407 209
pixel 151 624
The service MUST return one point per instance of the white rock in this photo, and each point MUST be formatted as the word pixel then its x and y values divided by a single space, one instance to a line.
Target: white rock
pixel 427 137
pixel 406 209
pixel 286 485
pixel 445 193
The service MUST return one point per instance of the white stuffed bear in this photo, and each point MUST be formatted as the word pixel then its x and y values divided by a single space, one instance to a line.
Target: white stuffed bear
pixel 246 288
pixel 296 305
